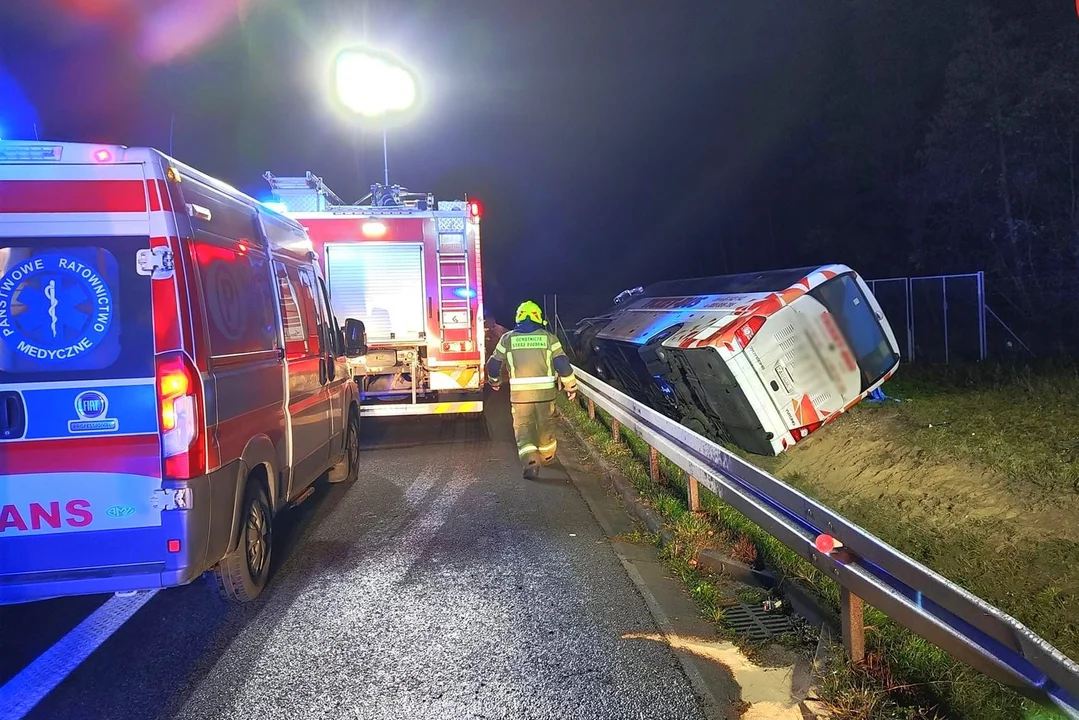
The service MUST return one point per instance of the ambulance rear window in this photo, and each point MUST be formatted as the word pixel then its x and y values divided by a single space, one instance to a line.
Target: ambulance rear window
pixel 74 310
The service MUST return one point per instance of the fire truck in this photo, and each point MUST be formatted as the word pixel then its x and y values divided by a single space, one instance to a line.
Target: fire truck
pixel 409 269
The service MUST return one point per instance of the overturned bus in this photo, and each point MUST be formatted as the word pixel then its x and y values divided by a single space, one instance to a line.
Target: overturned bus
pixel 757 360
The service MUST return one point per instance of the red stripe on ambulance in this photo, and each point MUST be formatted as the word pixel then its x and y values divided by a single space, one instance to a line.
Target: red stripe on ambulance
pixel 166 311
pixel 234 434
pixel 72 196
pixel 131 454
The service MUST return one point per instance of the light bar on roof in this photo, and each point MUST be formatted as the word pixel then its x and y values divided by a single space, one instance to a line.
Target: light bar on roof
pixel 22 152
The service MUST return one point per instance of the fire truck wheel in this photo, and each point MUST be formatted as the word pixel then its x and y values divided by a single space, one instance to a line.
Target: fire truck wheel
pixel 242 573
pixel 349 468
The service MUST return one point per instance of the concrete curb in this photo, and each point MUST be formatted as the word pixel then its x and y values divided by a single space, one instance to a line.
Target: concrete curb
pixel 803 602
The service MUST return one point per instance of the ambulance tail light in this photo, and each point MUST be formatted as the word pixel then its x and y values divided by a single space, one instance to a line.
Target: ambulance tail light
pixel 748 330
pixel 181 416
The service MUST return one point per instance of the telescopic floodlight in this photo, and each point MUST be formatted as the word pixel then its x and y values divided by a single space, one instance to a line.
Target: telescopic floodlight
pixel 372 85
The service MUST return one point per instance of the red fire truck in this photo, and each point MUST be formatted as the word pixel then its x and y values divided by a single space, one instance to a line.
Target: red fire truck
pixel 409 269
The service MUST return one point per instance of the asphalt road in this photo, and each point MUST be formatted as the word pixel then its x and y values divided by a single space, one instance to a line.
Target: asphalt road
pixel 439 585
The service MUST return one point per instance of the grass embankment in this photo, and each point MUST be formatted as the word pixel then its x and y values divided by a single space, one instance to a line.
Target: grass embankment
pixel 973 473
pixel 973 509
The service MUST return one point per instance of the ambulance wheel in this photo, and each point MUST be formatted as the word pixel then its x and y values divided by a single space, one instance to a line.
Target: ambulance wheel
pixel 242 574
pixel 349 468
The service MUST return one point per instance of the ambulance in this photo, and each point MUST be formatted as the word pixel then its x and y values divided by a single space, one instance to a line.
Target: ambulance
pixel 171 377
pixel 409 270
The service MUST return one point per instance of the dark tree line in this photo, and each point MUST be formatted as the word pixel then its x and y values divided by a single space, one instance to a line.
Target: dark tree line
pixel 944 141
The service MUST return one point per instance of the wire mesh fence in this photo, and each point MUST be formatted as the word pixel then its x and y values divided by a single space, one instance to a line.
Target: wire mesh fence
pixel 937 319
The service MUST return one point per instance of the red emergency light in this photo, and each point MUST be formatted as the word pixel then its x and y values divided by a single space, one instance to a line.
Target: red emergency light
pixel 474 207
pixel 102 155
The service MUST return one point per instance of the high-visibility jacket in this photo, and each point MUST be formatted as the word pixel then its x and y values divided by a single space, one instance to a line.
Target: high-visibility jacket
pixel 535 360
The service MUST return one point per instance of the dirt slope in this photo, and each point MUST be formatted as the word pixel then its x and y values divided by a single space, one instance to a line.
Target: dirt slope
pixel 1014 543
pixel 864 457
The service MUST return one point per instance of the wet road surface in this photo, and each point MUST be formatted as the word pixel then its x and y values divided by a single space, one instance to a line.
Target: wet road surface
pixel 439 585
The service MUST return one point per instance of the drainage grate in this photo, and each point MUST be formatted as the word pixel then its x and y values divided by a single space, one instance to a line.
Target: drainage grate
pixel 752 622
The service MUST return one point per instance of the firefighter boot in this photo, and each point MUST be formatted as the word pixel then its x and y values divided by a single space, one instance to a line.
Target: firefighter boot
pixel 524 429
pixel 547 445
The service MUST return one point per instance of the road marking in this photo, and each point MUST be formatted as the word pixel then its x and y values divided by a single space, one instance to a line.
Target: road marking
pixel 24 691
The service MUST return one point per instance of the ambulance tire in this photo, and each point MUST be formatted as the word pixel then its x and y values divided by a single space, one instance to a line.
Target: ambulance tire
pixel 242 574
pixel 349 468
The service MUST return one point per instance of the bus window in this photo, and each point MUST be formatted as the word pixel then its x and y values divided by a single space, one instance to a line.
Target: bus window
pixel 846 302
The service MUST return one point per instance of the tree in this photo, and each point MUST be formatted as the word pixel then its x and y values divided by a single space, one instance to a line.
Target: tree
pixel 997 186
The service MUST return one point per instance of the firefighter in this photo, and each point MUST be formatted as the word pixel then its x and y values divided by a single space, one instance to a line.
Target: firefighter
pixel 535 361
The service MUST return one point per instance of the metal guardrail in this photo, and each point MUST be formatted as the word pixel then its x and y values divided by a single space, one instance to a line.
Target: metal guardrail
pixel 960 623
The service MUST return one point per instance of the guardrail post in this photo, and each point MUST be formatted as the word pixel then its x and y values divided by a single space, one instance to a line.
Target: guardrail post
pixel 850 606
pixel 653 466
pixel 616 433
pixel 591 409
pixel 693 491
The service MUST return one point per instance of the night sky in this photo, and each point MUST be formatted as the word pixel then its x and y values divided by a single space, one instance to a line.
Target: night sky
pixel 612 143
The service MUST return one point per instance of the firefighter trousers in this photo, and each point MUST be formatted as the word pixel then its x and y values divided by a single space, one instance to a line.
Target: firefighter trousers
pixel 533 426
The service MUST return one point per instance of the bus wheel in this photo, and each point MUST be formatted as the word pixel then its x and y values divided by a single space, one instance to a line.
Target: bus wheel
pixel 349 468
pixel 242 574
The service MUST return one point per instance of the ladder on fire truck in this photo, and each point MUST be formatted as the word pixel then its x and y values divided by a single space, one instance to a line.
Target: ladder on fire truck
pixel 454 283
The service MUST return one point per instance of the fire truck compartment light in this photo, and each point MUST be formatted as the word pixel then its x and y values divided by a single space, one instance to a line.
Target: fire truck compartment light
pixel 465 293
pixel 374 229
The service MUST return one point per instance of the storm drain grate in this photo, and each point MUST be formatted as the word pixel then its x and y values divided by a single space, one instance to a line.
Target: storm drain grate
pixel 754 623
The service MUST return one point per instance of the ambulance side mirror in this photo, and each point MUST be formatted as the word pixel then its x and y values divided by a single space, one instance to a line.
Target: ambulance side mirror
pixel 355 340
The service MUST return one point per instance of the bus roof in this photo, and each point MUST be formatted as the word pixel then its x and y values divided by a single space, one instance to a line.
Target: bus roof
pixel 752 282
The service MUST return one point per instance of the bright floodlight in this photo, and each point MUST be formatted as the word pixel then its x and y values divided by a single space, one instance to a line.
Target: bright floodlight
pixel 372 85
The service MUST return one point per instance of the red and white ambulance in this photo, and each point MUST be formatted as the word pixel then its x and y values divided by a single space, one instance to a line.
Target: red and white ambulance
pixel 170 374
pixel 410 270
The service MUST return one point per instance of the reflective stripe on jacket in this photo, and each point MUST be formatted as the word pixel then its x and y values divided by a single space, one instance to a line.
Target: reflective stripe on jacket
pixel 531 359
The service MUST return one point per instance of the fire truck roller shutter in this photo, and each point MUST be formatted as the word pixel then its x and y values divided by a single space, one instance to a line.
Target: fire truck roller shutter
pixel 380 284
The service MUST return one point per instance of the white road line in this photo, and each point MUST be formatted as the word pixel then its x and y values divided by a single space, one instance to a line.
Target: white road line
pixel 24 691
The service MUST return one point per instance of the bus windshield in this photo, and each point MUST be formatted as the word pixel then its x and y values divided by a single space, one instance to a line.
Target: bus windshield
pixel 846 302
